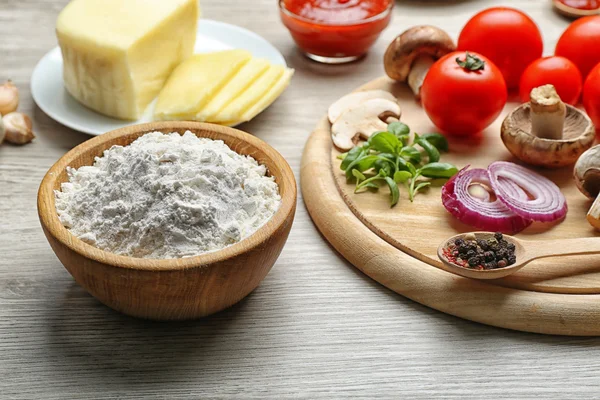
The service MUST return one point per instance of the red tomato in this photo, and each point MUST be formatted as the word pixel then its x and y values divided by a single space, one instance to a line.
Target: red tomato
pixel 463 100
pixel 591 95
pixel 580 43
pixel 506 36
pixel 557 71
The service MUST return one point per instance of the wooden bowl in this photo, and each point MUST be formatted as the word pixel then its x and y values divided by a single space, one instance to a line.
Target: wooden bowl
pixel 171 289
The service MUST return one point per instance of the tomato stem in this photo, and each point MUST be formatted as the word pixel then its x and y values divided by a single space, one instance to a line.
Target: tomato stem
pixel 471 62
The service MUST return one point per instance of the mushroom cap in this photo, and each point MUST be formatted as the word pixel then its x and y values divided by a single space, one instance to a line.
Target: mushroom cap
pixel 362 121
pixel 578 136
pixel 412 43
pixel 587 172
pixel 354 99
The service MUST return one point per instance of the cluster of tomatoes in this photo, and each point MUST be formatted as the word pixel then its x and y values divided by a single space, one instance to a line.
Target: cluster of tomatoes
pixel 463 98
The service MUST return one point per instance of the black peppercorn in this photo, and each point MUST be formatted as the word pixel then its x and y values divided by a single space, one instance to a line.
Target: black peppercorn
pixel 473 261
pixel 500 254
pixel 498 236
pixel 459 242
pixel 512 259
pixel 511 247
pixel 489 256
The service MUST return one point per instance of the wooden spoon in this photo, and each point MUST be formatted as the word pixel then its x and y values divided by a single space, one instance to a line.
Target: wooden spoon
pixel 525 250
pixel 572 12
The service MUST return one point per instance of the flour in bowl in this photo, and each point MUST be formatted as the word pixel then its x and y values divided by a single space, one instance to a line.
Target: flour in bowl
pixel 167 196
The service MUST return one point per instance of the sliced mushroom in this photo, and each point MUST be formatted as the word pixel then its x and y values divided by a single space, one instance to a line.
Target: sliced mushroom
pixel 362 121
pixel 354 99
pixel 587 179
pixel 412 53
pixel 546 132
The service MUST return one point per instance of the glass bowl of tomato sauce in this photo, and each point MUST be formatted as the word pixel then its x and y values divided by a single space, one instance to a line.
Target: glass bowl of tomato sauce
pixel 335 31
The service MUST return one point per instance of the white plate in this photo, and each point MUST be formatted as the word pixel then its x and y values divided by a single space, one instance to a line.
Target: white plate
pixel 50 95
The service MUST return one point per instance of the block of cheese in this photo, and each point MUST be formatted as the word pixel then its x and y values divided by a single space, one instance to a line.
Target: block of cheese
pixel 196 81
pixel 118 54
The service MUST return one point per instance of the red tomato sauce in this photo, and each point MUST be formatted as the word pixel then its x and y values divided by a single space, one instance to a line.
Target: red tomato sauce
pixel 582 4
pixel 335 28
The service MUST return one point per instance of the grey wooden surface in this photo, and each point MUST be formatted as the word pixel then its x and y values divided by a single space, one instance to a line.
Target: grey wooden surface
pixel 316 327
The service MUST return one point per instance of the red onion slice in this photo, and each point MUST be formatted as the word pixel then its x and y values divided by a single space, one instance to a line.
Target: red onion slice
pixel 545 202
pixel 491 216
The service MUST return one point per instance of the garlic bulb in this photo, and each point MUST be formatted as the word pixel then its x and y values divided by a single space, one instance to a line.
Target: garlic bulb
pixel 18 128
pixel 2 130
pixel 9 98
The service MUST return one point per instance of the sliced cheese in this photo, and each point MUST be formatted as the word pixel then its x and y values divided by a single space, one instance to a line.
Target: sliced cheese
pixel 234 88
pixel 268 98
pixel 196 81
pixel 251 96
pixel 118 54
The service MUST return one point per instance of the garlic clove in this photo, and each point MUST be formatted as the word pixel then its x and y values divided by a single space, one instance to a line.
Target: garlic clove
pixel 9 98
pixel 18 128
pixel 2 130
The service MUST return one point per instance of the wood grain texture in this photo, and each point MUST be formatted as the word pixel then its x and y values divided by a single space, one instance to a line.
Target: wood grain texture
pixel 172 289
pixel 430 224
pixel 367 248
pixel 316 327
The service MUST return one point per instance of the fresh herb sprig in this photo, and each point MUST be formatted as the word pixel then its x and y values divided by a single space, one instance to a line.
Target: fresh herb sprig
pixel 390 158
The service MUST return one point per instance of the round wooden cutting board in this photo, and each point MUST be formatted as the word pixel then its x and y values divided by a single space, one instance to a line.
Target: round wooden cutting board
pixel 397 246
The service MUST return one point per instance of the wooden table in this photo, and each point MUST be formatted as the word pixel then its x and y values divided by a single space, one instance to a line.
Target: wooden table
pixel 316 327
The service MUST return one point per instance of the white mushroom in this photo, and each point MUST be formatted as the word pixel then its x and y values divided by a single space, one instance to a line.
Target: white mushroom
pixel 587 179
pixel 546 132
pixel 354 99
pixel 362 121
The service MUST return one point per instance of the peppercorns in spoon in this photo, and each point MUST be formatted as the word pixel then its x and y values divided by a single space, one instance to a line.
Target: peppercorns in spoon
pixel 488 255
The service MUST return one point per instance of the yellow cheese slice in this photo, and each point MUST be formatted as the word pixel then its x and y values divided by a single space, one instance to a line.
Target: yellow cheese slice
pixel 268 98
pixel 118 54
pixel 234 88
pixel 251 96
pixel 196 81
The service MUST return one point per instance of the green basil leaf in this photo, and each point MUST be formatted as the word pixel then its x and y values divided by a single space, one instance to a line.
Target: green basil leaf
pixel 438 170
pixel 388 156
pixel 383 165
pixel 394 191
pixel 371 185
pixel 351 156
pixel 432 153
pixel 384 142
pixel 402 176
pixel 437 140
pixel 361 164
pixel 422 185
pixel 413 155
pixel 398 129
pixel 358 175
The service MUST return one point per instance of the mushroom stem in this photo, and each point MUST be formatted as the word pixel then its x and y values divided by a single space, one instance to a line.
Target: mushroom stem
pixel 418 71
pixel 547 113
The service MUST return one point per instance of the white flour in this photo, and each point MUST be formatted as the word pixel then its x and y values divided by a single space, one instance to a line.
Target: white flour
pixel 167 196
